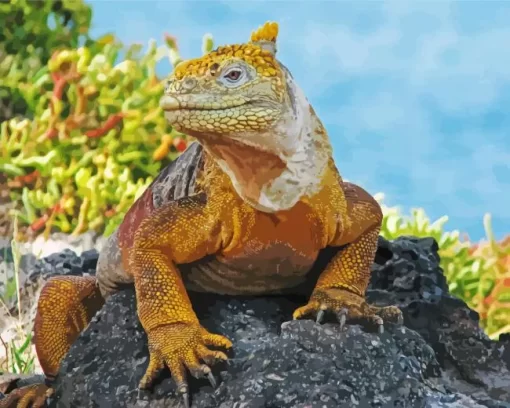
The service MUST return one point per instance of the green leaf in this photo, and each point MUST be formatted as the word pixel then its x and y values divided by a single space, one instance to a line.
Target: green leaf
pixel 11 169
pixel 29 209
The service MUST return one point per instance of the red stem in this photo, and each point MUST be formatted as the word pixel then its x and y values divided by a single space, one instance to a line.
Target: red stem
pixel 110 123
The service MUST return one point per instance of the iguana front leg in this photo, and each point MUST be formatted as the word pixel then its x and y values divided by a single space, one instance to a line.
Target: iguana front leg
pixel 341 286
pixel 178 232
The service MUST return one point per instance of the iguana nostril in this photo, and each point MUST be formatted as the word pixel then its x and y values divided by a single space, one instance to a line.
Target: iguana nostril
pixel 213 69
pixel 168 84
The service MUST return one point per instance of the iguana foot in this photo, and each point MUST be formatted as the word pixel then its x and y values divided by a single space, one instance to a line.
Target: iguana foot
pixel 30 396
pixel 180 346
pixel 348 306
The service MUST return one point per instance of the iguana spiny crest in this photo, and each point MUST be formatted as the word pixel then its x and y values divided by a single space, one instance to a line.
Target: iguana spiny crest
pixel 245 108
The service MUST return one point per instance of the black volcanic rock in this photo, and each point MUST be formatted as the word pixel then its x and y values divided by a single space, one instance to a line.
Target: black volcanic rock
pixel 439 358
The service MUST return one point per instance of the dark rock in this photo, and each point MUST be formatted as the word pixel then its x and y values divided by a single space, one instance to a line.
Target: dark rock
pixel 447 324
pixel 89 260
pixel 274 362
pixel 440 358
pixel 6 254
pixel 66 262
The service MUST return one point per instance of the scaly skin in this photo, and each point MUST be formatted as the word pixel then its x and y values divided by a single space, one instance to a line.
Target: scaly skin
pixel 65 307
pixel 265 200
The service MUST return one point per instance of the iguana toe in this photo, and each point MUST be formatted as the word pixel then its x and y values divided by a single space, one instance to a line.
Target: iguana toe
pixel 182 346
pixel 30 396
pixel 391 314
pixel 348 306
pixel 210 357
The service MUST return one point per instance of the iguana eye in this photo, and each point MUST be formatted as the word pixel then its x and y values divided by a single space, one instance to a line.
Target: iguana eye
pixel 233 75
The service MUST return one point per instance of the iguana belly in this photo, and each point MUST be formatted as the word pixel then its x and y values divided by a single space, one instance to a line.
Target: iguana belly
pixel 260 269
pixel 272 254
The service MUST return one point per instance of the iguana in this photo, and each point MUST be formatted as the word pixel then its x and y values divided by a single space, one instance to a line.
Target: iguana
pixel 244 210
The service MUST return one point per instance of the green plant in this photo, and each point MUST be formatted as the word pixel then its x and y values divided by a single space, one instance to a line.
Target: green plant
pixel 492 296
pixel 477 273
pixel 18 358
pixel 31 32
pixel 20 362
pixel 98 137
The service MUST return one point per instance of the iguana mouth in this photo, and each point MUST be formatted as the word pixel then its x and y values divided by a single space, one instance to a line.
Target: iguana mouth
pixel 170 104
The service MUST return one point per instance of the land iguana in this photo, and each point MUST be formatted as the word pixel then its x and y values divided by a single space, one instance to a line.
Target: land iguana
pixel 245 210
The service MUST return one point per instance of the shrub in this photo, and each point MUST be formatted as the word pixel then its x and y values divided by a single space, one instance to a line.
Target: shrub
pixel 477 273
pixel 92 136
pixel 27 41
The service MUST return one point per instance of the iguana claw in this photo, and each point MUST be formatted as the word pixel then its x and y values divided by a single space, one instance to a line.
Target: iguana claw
pixel 183 391
pixel 380 324
pixel 142 395
pixel 342 317
pixel 185 399
pixel 400 319
pixel 212 380
pixel 321 313
pixel 348 306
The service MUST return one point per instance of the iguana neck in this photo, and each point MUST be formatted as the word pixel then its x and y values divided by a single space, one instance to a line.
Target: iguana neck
pixel 289 166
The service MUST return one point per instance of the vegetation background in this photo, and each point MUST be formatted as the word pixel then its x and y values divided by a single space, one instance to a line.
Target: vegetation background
pixel 82 135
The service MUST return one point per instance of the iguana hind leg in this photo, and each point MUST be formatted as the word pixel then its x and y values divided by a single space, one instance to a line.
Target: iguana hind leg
pixel 341 286
pixel 33 396
pixel 65 307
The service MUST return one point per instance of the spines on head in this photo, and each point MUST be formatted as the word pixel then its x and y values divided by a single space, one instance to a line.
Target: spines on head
pixel 259 52
pixel 265 36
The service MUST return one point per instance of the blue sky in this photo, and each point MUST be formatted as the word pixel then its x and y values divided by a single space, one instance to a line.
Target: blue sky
pixel 415 95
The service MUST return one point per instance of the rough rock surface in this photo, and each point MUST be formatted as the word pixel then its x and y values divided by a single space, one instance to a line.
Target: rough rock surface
pixel 439 358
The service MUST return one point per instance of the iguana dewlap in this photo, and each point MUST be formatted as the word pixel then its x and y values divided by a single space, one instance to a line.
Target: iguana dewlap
pixel 246 210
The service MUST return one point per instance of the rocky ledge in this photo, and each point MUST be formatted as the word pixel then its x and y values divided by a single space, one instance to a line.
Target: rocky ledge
pixel 439 358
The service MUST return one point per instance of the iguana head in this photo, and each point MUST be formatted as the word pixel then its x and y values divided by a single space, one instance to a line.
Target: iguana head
pixel 246 110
